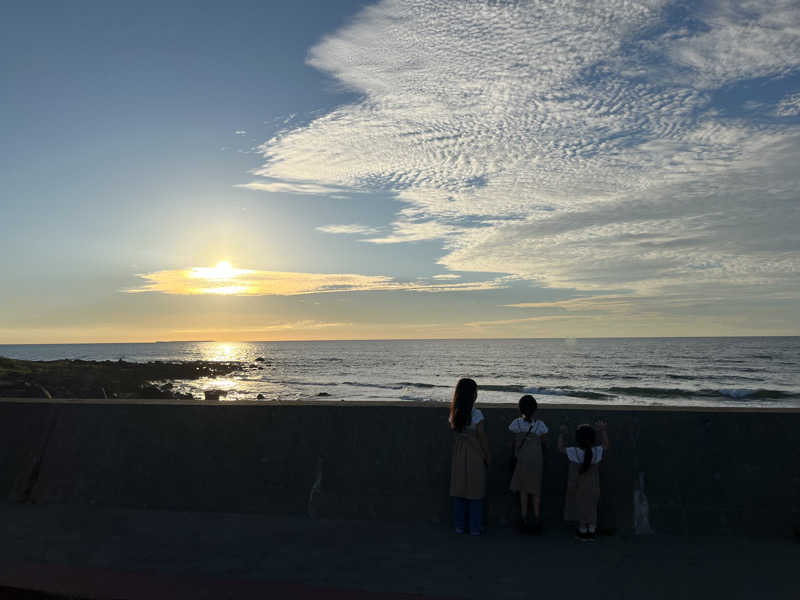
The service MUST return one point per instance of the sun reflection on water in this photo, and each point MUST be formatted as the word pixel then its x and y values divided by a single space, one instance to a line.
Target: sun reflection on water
pixel 219 383
pixel 230 386
pixel 223 351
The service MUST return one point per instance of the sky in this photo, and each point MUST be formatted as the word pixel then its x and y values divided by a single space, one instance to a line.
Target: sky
pixel 399 169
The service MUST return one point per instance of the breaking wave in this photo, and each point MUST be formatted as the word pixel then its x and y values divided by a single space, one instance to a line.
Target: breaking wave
pixel 732 393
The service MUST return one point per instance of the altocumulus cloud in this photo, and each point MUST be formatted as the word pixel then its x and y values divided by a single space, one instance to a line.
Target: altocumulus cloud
pixel 584 145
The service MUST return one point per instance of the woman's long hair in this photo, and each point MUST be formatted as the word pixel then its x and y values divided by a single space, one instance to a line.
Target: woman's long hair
pixel 463 401
pixel 585 437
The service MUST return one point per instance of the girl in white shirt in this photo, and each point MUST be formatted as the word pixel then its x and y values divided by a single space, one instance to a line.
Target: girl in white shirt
pixel 529 438
pixel 583 482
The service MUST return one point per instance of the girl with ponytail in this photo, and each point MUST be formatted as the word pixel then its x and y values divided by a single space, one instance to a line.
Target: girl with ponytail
pixel 583 481
pixel 530 437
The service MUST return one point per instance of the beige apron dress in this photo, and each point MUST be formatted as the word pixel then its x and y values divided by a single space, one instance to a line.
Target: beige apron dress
pixel 468 468
pixel 583 494
pixel 527 475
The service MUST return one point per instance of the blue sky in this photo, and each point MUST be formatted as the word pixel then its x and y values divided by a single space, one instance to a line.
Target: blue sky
pixel 399 169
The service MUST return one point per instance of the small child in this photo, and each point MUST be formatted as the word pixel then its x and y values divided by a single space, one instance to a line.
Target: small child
pixel 529 438
pixel 583 482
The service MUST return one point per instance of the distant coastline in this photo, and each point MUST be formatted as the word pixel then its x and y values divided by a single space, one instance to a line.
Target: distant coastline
pixel 181 342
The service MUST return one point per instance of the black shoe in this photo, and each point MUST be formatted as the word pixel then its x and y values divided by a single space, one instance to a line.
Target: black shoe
pixel 581 536
pixel 591 536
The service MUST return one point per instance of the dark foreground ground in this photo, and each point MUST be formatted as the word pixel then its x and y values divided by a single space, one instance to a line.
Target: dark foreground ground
pixel 103 553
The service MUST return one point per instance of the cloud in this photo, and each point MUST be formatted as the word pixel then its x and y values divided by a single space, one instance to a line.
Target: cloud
pixel 739 40
pixel 789 106
pixel 289 187
pixel 707 300
pixel 447 276
pixel 416 231
pixel 267 327
pixel 251 282
pixel 353 229
pixel 575 145
pixel 522 320
pixel 615 304
pixel 240 132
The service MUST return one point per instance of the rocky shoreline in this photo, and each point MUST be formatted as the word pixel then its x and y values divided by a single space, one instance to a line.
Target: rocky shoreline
pixel 103 379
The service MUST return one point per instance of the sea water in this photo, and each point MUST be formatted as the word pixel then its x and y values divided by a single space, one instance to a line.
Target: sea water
pixel 764 371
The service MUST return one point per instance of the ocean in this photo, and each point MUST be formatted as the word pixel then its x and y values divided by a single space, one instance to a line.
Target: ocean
pixel 763 371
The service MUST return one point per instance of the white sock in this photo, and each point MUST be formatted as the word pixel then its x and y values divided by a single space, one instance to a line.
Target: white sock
pixel 582 528
pixel 592 527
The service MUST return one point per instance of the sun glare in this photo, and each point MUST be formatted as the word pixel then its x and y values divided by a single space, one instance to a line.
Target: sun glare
pixel 222 279
pixel 223 271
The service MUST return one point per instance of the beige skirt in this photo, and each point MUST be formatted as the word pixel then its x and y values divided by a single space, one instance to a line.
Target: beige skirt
pixel 468 467
pixel 583 494
pixel 527 475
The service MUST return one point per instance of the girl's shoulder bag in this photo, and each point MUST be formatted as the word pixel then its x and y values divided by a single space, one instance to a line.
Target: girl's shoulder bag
pixel 512 462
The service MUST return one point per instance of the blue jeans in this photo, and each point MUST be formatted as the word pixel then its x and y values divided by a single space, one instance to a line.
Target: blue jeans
pixel 462 506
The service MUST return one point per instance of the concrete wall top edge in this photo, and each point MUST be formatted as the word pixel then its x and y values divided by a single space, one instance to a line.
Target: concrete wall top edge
pixel 355 404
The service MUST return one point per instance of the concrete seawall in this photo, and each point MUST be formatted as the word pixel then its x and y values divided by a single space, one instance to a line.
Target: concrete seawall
pixel 705 471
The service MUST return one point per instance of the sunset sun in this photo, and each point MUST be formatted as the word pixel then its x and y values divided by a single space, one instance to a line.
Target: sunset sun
pixel 223 271
pixel 222 279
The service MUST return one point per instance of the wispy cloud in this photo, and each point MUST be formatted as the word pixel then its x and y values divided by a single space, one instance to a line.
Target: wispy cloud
pixel 352 229
pixel 303 324
pixel 416 231
pixel 289 187
pixel 252 282
pixel 576 145
pixel 447 276
pixel 616 304
pixel 518 321
pixel 674 301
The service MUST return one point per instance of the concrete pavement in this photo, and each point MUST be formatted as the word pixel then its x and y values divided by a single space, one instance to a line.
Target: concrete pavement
pixel 117 553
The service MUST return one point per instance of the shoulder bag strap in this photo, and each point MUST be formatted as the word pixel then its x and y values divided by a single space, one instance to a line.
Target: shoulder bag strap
pixel 525 439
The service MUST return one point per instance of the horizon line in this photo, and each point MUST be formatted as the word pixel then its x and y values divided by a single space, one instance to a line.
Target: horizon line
pixel 476 339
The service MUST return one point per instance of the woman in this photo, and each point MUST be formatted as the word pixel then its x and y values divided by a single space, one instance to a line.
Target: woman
pixel 470 459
